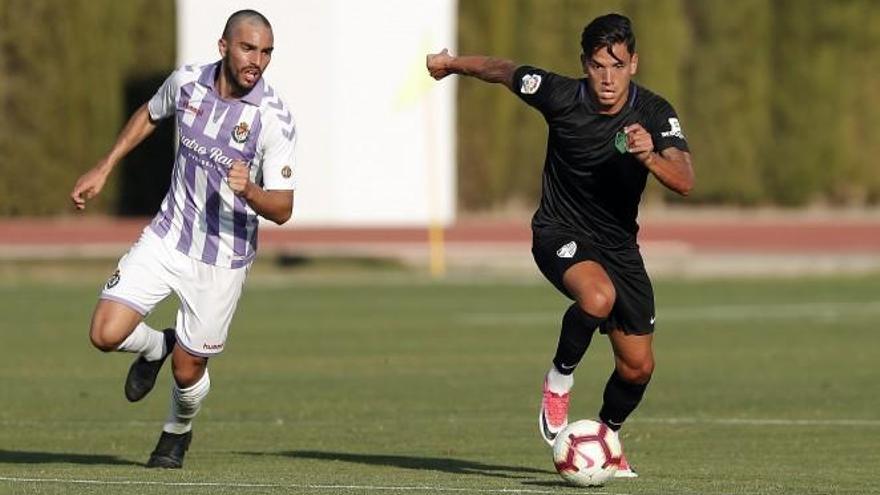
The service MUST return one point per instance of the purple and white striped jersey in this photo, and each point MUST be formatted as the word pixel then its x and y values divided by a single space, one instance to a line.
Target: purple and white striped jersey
pixel 200 215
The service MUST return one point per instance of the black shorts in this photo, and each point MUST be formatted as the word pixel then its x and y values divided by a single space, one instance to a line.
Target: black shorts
pixel 555 251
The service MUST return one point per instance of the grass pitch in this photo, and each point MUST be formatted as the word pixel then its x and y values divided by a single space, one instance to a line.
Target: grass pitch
pixel 377 384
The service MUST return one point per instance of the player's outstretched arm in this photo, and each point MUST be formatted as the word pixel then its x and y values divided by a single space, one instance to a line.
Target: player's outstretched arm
pixel 489 69
pixel 138 127
pixel 671 166
pixel 273 205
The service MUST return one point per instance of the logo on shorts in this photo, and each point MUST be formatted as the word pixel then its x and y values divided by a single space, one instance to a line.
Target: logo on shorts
pixel 568 250
pixel 530 84
pixel 114 279
pixel 286 172
pixel 240 132
pixel 212 347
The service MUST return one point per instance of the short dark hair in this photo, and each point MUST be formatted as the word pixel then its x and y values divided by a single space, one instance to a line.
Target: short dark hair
pixel 243 15
pixel 606 31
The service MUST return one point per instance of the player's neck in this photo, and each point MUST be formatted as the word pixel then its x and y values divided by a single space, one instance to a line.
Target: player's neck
pixel 227 88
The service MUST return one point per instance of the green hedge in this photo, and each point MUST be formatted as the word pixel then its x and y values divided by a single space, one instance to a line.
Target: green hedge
pixel 64 70
pixel 780 98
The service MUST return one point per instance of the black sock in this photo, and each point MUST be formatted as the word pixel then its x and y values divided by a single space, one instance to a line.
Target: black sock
pixel 574 338
pixel 621 398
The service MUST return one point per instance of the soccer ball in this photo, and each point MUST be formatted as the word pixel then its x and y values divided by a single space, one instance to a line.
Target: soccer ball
pixel 586 453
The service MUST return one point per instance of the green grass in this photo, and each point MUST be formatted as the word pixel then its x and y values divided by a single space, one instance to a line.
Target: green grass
pixel 342 385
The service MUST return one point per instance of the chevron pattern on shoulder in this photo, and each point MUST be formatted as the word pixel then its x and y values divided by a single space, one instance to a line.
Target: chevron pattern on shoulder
pixel 281 112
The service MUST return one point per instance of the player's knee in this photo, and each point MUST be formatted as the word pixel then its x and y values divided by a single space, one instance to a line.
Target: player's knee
pixel 111 326
pixel 188 375
pixel 637 372
pixel 597 302
pixel 102 339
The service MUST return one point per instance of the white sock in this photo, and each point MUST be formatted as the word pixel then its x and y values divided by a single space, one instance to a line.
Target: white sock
pixel 145 341
pixel 185 404
pixel 559 383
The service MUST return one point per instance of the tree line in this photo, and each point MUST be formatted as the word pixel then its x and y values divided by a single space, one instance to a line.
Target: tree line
pixel 780 99
pixel 70 73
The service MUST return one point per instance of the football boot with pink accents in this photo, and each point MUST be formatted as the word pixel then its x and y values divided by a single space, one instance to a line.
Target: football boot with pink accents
pixel 554 414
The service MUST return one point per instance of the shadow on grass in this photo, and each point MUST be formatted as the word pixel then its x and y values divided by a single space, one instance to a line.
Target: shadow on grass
pixel 22 457
pixel 443 464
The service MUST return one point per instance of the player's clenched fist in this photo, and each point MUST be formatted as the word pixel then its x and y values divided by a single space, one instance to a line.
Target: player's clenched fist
pixel 239 178
pixel 438 64
pixel 638 141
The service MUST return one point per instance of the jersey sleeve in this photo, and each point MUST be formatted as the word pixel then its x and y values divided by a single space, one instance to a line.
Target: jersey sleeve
pixel 162 104
pixel 541 89
pixel 277 147
pixel 665 128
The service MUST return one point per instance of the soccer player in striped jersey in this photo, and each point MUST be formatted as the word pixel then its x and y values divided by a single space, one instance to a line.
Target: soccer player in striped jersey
pixel 235 162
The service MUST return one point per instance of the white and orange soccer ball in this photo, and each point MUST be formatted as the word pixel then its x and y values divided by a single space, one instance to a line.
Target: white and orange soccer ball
pixel 586 453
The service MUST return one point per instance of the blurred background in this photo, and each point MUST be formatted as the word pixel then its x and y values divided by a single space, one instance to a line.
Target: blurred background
pixel 397 326
pixel 779 99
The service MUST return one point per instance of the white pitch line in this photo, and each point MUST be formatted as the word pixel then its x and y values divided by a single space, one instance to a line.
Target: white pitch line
pixel 721 312
pixel 209 484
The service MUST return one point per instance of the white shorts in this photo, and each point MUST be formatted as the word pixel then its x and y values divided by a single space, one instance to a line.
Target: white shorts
pixel 208 294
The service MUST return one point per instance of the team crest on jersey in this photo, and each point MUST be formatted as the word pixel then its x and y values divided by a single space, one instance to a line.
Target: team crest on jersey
pixel 114 279
pixel 620 142
pixel 241 132
pixel 568 250
pixel 286 172
pixel 530 84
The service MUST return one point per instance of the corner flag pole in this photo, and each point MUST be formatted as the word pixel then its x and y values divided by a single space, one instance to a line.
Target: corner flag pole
pixel 436 244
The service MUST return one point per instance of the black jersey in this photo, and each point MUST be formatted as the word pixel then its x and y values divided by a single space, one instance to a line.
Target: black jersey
pixel 588 185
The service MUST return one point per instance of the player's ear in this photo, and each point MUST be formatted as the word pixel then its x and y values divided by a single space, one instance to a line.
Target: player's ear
pixel 584 62
pixel 634 64
pixel 222 47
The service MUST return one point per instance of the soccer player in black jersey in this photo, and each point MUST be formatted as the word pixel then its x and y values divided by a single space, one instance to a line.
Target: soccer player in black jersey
pixel 606 133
